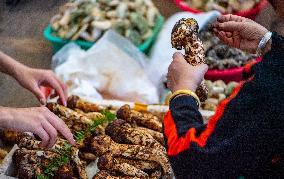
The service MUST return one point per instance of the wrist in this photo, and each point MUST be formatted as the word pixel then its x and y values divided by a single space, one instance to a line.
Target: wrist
pixel 18 71
pixel 9 65
pixel 264 44
pixel 267 47
pixel 185 92
pixel 184 87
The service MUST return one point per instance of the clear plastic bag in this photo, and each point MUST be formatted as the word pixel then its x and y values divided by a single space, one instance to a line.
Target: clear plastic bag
pixel 113 66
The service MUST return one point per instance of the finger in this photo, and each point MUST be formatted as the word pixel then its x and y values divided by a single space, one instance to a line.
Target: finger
pixel 60 126
pixel 203 67
pixel 51 131
pixel 39 94
pixel 230 26
pixel 63 86
pixel 236 39
pixel 56 86
pixel 230 17
pixel 229 34
pixel 178 56
pixel 43 135
pixel 222 36
pixel 215 31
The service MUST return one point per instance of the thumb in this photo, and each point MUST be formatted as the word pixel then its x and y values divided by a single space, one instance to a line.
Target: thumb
pixel 177 56
pixel 229 26
pixel 40 96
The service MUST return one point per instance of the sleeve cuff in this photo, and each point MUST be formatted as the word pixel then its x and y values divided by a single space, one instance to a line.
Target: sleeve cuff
pixel 183 100
pixel 277 43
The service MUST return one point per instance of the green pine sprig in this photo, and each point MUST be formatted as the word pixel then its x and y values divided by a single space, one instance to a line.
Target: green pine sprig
pixel 65 152
pixel 107 117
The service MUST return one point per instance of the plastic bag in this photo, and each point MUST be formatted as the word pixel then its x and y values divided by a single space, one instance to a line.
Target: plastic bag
pixel 113 67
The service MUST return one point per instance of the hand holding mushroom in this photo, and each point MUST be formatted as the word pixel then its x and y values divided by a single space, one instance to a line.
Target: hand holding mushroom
pixel 183 75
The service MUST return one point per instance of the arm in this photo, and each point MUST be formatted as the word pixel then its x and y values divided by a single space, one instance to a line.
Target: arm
pixel 39 120
pixel 183 113
pixel 180 123
pixel 9 65
pixel 32 79
pixel 241 132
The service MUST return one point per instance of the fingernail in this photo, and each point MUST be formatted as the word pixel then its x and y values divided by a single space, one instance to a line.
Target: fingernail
pixel 65 103
pixel 42 101
pixel 222 33
pixel 74 142
pixel 40 145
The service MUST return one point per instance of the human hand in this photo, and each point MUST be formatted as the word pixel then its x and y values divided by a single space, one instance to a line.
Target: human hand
pixel 182 75
pixel 239 32
pixel 38 120
pixel 32 79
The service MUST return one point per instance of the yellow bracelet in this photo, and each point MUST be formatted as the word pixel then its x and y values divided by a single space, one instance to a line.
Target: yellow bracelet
pixel 185 92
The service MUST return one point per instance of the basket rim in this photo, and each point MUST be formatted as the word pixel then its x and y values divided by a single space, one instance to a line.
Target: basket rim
pixel 143 47
pixel 229 71
pixel 183 6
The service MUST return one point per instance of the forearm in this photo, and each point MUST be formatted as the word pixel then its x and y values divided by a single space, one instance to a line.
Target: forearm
pixel 267 47
pixel 180 124
pixel 9 66
pixel 185 113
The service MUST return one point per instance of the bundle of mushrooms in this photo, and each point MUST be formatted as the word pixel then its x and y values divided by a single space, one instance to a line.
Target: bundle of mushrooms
pixel 31 160
pixel 88 19
pixel 224 6
pixel 131 146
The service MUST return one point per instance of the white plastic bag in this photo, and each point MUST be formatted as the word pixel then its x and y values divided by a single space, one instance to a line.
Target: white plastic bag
pixel 113 66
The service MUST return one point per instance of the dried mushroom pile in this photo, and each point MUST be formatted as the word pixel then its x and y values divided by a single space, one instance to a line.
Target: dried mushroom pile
pixel 220 56
pixel 129 146
pixel 7 139
pixel 218 91
pixel 224 6
pixel 88 19
pixel 3 154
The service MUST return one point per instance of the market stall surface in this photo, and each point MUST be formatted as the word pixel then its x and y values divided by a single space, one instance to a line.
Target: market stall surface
pixel 21 37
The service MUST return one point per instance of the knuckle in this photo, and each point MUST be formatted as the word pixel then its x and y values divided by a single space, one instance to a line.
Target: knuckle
pixel 41 118
pixel 37 129
pixel 62 128
pixel 176 55
pixel 44 109
pixel 54 133
pixel 50 72
pixel 45 138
